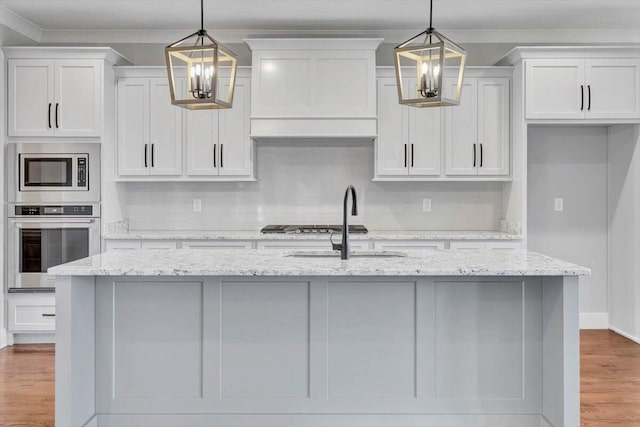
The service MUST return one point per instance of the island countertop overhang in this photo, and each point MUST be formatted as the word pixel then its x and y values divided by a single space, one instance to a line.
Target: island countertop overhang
pixel 251 262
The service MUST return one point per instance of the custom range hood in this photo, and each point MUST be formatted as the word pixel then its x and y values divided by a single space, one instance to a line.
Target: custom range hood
pixel 313 88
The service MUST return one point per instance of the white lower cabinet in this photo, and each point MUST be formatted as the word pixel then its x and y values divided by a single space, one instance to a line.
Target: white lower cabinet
pixel 31 312
pixel 159 244
pixel 217 244
pixel 407 244
pixel 119 245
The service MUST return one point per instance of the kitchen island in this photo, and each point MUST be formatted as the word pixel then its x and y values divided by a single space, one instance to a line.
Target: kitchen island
pixel 263 338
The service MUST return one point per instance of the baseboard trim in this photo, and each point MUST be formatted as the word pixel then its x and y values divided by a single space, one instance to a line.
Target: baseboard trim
pixel 624 334
pixel 3 338
pixel 594 320
pixel 31 338
pixel 308 420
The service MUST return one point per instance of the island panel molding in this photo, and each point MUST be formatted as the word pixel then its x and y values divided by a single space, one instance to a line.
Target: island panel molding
pixel 337 351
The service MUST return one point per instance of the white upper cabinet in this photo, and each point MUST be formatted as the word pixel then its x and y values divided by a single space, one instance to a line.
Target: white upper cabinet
pixel 583 89
pixel 218 141
pixel 61 98
pixel 158 141
pixel 313 87
pixel 149 128
pixel 409 139
pixel 477 130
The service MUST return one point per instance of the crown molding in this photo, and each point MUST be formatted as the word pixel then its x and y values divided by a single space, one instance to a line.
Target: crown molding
pixel 519 53
pixel 20 25
pixel 471 36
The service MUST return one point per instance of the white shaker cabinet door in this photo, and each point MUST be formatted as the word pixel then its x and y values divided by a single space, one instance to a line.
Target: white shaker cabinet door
pixel 461 130
pixel 555 89
pixel 235 154
pixel 31 101
pixel 165 136
pixel 78 95
pixel 133 127
pixel 425 135
pixel 202 142
pixel 493 126
pixel 613 88
pixel 392 155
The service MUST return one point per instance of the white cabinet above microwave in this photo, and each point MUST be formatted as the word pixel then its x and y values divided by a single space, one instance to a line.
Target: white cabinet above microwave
pixel 57 92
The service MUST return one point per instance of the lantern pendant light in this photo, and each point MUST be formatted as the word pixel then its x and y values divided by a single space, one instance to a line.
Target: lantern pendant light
pixel 424 57
pixel 210 74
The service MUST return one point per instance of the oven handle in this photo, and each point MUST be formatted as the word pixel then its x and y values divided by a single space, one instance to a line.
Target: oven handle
pixel 43 223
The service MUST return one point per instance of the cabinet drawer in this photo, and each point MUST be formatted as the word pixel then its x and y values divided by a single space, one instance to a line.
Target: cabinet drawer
pixel 28 313
pixel 216 244
pixel 159 244
pixel 118 245
pixel 467 245
pixel 309 244
pixel 503 245
pixel 408 245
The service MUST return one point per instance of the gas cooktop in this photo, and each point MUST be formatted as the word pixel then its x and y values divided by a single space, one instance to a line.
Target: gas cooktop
pixel 311 229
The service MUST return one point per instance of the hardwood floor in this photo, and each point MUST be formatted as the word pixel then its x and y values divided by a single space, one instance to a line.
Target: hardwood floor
pixel 27 386
pixel 609 369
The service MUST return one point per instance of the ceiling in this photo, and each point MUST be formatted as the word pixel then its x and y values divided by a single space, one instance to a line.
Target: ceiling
pixel 163 21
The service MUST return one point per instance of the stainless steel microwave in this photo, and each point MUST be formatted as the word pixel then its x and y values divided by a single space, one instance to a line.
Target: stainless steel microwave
pixel 54 172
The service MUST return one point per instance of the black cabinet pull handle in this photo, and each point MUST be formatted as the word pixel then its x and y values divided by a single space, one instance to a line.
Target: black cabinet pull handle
pixel 474 155
pixel 49 115
pixel 57 105
pixel 589 105
pixel 581 97
pixel 153 155
pixel 146 155
pixel 214 155
pixel 48 315
pixel 405 155
pixel 411 155
pixel 481 155
pixel 221 155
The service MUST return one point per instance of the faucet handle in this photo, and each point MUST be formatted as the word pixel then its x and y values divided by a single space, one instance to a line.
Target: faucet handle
pixel 335 246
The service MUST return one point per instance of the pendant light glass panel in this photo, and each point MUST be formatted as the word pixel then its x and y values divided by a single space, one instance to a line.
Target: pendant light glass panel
pixel 209 70
pixel 421 63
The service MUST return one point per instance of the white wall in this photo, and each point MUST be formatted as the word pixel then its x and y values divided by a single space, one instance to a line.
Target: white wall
pixel 624 230
pixel 571 163
pixel 3 220
pixel 305 183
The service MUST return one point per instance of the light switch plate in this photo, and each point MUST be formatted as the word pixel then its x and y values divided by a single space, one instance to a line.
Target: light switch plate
pixel 558 205
pixel 426 205
pixel 197 205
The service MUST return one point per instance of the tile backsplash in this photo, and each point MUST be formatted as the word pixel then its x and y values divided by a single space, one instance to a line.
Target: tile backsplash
pixel 299 182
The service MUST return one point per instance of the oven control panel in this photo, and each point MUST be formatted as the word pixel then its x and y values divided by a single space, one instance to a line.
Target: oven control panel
pixel 66 210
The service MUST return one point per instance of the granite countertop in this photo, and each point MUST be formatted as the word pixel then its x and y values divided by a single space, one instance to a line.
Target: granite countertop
pixel 251 262
pixel 256 235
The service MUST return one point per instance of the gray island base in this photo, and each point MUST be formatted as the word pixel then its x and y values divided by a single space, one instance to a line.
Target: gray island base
pixel 253 338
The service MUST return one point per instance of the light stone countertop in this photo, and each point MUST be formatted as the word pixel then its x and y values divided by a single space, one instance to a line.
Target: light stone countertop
pixel 256 235
pixel 252 262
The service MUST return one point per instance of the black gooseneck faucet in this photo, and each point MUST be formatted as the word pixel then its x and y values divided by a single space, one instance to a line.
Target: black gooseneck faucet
pixel 344 247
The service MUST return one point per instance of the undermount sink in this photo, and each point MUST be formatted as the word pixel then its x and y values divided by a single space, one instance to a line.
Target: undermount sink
pixel 352 254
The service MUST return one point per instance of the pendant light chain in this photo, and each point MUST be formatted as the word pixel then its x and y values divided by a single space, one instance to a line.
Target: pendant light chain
pixel 430 15
pixel 202 15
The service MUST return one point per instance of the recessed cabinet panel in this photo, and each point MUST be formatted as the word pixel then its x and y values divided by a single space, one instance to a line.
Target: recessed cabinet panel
pixel 555 89
pixel 425 136
pixel 133 126
pixel 393 130
pixel 165 131
pixel 283 85
pixel 493 126
pixel 235 154
pixel 202 142
pixel 78 107
pixel 31 97
pixel 461 132
pixel 613 89
pixel 341 84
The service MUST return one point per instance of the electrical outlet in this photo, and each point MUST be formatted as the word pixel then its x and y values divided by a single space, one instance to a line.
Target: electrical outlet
pixel 197 205
pixel 558 205
pixel 426 205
